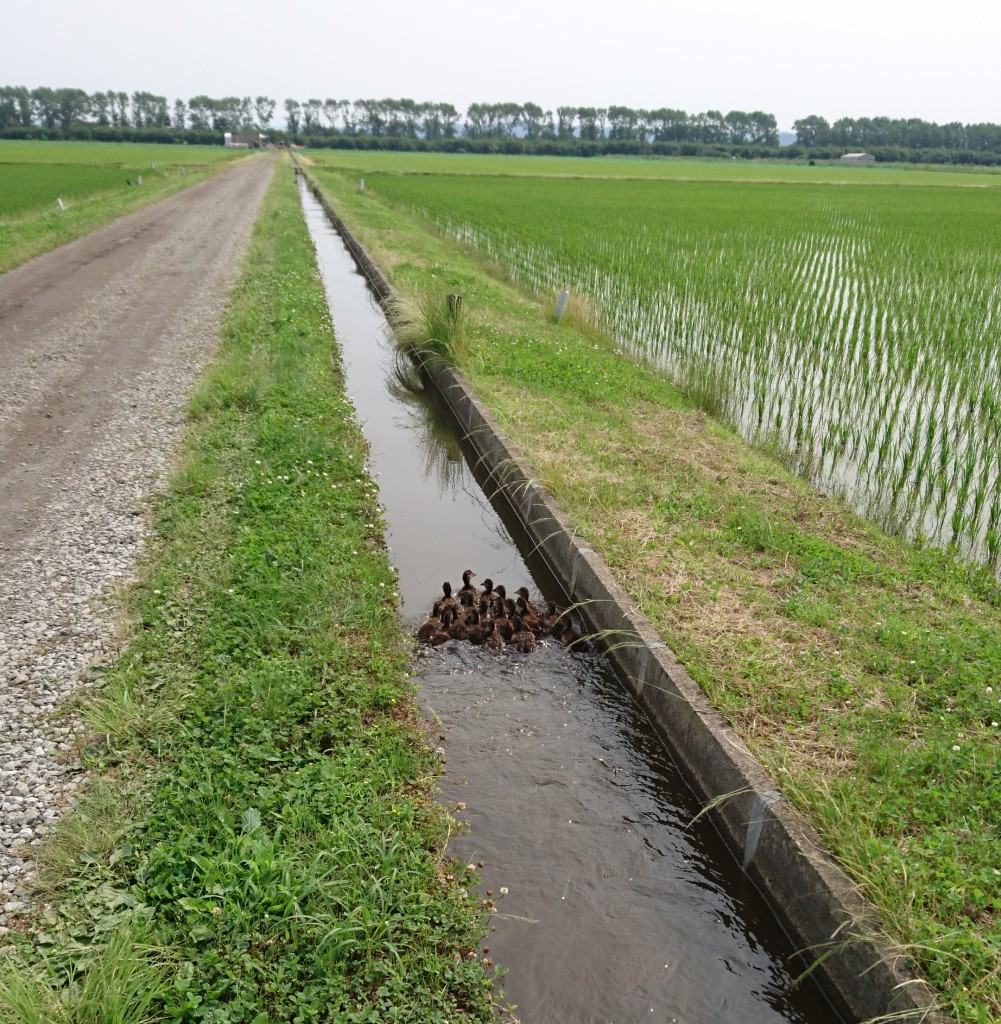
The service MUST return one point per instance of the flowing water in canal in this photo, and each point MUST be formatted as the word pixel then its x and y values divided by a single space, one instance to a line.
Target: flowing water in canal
pixel 616 910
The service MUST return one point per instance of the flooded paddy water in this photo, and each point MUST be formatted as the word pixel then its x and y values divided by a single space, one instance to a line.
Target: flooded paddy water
pixel 617 908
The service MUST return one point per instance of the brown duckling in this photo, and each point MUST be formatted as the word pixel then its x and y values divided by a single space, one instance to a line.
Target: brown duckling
pixel 568 636
pixel 551 620
pixel 522 639
pixel 468 587
pixel 529 620
pixel 523 592
pixel 502 623
pixel 431 626
pixel 488 589
pixel 493 638
pixel 441 636
pixel 448 602
pixel 457 626
pixel 476 631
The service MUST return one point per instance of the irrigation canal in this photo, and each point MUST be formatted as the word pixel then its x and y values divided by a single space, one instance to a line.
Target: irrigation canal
pixel 616 909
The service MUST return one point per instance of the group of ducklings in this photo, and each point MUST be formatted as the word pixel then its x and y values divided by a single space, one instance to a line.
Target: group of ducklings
pixel 489 618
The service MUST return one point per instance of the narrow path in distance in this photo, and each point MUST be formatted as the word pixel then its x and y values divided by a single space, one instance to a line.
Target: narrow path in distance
pixel 100 342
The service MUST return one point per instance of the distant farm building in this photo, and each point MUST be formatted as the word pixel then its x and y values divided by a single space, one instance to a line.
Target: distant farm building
pixel 243 140
pixel 858 158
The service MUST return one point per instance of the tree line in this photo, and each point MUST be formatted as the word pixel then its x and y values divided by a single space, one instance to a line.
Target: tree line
pixel 910 133
pixel 486 127
pixel 65 109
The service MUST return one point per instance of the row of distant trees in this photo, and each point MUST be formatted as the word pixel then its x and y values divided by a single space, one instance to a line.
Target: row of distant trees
pixel 408 119
pixel 912 133
pixel 64 109
pixel 494 127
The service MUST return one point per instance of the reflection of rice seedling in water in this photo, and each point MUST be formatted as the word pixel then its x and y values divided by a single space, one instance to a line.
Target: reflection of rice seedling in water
pixel 439 448
pixel 859 326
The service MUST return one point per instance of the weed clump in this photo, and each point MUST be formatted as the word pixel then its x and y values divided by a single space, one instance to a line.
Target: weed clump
pixel 431 322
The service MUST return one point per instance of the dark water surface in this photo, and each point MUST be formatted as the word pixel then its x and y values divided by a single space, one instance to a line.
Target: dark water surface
pixel 616 910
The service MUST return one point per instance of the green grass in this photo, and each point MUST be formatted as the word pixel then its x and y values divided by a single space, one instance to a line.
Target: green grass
pixel 863 672
pixel 266 847
pixel 376 161
pixel 97 182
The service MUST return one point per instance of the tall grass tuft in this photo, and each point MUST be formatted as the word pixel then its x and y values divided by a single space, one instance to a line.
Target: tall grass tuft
pixel 434 322
pixel 118 985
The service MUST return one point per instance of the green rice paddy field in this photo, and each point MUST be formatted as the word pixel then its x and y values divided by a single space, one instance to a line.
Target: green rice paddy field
pixel 855 328
pixel 374 161
pixel 96 182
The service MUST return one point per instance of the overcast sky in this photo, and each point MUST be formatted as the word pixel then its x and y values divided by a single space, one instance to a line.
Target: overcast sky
pixel 910 58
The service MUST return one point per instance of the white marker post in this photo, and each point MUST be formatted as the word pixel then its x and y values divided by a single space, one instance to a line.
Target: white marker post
pixel 59 203
pixel 561 303
pixel 139 179
pixel 361 185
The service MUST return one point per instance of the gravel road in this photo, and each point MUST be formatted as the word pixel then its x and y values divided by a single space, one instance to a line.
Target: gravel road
pixel 100 343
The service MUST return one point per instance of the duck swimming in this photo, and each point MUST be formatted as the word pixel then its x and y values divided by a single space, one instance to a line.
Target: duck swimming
pixel 569 636
pixel 457 627
pixel 448 602
pixel 476 632
pixel 523 592
pixel 503 624
pixel 528 618
pixel 551 618
pixel 441 635
pixel 522 639
pixel 430 626
pixel 467 585
pixel 488 617
pixel 493 638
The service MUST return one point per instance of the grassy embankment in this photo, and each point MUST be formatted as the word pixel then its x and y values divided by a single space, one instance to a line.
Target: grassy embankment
pixel 260 843
pixel 862 671
pixel 92 180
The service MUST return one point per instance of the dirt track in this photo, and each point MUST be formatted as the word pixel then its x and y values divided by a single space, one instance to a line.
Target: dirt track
pixel 78 324
pixel 100 342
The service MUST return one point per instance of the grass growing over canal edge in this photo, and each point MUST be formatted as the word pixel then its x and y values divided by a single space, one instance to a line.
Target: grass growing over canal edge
pixel 261 843
pixel 865 673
